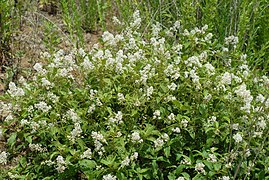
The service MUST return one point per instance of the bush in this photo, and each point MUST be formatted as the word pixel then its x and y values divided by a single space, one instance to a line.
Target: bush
pixel 170 104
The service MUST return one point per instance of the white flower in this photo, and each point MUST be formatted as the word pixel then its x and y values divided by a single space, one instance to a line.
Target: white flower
pixel 262 124
pixel 42 106
pixel 126 162
pixel 172 86
pixel 91 108
pixel 171 117
pixel 199 167
pixel 176 130
pixel 3 157
pixel 135 137
pixel 109 177
pixel 87 64
pixel 73 115
pixel 75 133
pixel 225 178
pixel 60 164
pixel 116 21
pixel 134 156
pixel 14 91
pixel 237 137
pixel 184 123
pixel 121 97
pixel 231 40
pixel 226 78
pixel 39 69
pixel 210 69
pixel 180 178
pixel 165 137
pixel 186 161
pixel 37 147
pixel 149 91
pixel 208 37
pixel 46 83
pixel 157 114
pixel 98 136
pixel 158 143
pixel 212 158
pixel 86 154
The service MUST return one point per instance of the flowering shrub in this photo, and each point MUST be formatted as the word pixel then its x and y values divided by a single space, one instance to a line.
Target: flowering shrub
pixel 169 104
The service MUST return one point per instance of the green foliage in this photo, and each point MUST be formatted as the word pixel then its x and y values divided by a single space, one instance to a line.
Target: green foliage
pixel 166 104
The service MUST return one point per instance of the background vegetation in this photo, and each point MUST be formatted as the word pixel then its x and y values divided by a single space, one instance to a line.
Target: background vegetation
pixel 30 28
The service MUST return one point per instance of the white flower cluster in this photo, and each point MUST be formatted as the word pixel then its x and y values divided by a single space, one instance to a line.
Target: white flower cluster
pixel 110 40
pixel 172 86
pixel 184 123
pixel 15 91
pixel 224 178
pixel 86 154
pixel 157 114
pixel 117 119
pixel 237 137
pixel 136 20
pixel 231 40
pixel 35 125
pixel 37 147
pixel 61 164
pixel 91 108
pixel 42 106
pixel 98 140
pixel 3 157
pixel 243 93
pixel 212 158
pixel 75 133
pixel 53 98
pixel 185 161
pixel 135 137
pixel 146 73
pixel 127 160
pixel 176 130
pixel 46 83
pixel 199 167
pixel 73 115
pixel 87 65
pixel 149 92
pixel 109 177
pixel 121 97
pixel 193 62
pixel 172 71
pixel 38 67
pixel 210 69
pixel 161 140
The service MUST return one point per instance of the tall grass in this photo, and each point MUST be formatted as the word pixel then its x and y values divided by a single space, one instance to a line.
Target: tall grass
pixel 6 10
pixel 247 19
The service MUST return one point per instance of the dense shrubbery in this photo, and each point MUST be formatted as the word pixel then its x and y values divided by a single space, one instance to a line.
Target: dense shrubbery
pixel 170 104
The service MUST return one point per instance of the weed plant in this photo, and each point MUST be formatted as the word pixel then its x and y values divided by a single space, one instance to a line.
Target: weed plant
pixel 169 104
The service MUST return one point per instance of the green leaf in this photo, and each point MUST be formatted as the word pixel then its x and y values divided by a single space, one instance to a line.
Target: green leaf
pixel 167 151
pixel 186 176
pixel 180 168
pixel 155 167
pixel 23 162
pixel 109 160
pixel 87 165
pixel 28 138
pixel 217 166
pixel 12 140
